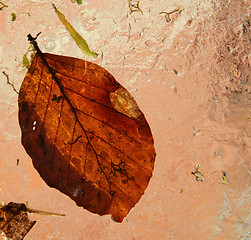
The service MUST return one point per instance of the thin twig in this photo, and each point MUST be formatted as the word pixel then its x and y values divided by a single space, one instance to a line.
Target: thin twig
pixel 168 17
pixel 134 7
pixel 8 82
pixel 3 6
pixel 224 179
pixel 198 175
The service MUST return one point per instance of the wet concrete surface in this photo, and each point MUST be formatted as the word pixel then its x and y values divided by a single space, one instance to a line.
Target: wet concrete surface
pixel 190 77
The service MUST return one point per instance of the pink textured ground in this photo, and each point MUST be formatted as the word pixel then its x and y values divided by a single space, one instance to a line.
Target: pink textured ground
pixel 190 77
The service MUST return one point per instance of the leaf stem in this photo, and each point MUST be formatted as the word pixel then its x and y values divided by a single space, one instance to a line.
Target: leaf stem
pixel 44 212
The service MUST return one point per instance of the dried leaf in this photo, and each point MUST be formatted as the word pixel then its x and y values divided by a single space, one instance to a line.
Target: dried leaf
pixel 14 221
pixel 75 35
pixel 94 144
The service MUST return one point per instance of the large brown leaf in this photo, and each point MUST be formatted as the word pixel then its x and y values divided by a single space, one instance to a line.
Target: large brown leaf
pixel 85 134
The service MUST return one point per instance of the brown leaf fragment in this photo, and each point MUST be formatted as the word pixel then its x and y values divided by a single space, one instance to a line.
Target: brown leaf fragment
pixel 94 144
pixel 14 221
